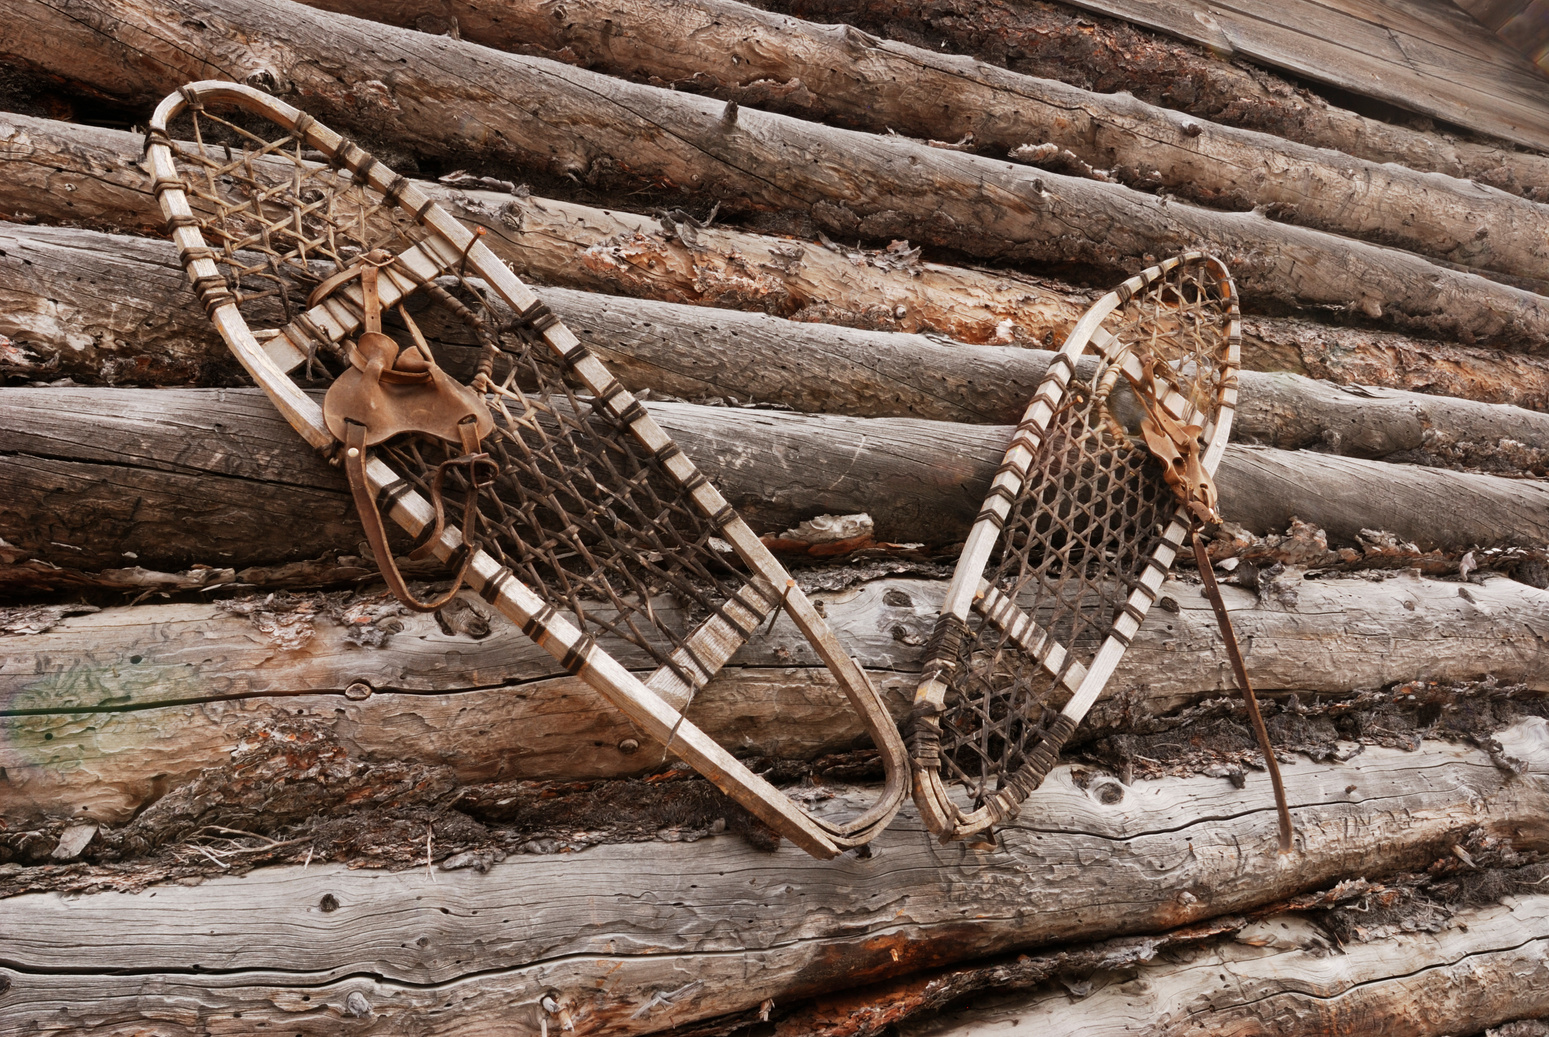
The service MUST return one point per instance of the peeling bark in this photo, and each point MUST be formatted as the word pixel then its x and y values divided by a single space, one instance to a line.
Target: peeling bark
pixel 441 97
pixel 837 74
pixel 450 956
pixel 170 478
pixel 102 714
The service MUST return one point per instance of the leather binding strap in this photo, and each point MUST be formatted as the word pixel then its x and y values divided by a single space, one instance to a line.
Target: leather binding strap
pixel 356 433
pixel 376 534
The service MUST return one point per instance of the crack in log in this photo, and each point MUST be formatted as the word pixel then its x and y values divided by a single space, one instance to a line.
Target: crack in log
pixel 955 214
pixel 124 461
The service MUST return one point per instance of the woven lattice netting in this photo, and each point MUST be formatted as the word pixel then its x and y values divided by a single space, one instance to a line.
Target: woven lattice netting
pixel 1181 321
pixel 583 514
pixel 278 219
pixel 1080 534
pixel 579 510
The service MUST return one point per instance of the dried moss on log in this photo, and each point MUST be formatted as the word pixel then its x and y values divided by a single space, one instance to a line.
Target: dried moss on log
pixel 100 714
pixel 837 74
pixel 170 478
pixel 444 952
pixel 441 97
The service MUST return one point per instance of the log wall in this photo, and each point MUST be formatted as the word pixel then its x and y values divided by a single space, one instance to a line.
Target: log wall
pixel 89 175
pixel 166 479
pixel 132 735
pixel 834 73
pixel 100 714
pixel 695 930
pixel 1284 974
pixel 100 308
pixel 440 97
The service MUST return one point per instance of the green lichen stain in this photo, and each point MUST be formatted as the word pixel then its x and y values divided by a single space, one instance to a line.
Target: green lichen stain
pixel 53 720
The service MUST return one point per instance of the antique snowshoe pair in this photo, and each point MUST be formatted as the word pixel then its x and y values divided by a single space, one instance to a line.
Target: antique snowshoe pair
pixel 585 524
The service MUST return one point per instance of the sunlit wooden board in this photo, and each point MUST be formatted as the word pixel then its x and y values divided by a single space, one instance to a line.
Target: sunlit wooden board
pixel 1427 56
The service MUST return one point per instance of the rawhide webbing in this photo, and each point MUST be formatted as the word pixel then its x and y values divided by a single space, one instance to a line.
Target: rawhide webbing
pixel 1108 472
pixel 452 390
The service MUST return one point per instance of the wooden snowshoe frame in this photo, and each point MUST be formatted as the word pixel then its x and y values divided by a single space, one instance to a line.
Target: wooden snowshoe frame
pixel 446 248
pixel 1078 532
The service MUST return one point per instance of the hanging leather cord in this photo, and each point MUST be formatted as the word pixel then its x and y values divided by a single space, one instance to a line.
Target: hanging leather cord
pixel 1176 447
pixel 1240 671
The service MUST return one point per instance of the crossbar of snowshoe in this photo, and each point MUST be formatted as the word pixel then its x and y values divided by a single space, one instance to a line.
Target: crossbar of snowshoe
pixel 701 656
pixel 340 315
pixel 498 585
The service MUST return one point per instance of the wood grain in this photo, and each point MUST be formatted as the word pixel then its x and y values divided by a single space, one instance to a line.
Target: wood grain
pixel 89 175
pixel 837 74
pixel 1428 58
pixel 1113 56
pixel 1354 356
pixel 637 938
pixel 102 308
pixel 102 713
pixel 1488 965
pixel 444 98
pixel 1517 22
pixel 166 479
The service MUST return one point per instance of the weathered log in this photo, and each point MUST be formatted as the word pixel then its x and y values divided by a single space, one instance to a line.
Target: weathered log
pixel 109 308
pixel 1099 45
pixel 1084 45
pixel 1280 973
pixel 103 309
pixel 441 97
pixel 1351 356
pixel 1427 60
pixel 27 578
pixel 705 929
pixel 87 175
pixel 170 478
pixel 834 73
pixel 101 713
pixel 90 176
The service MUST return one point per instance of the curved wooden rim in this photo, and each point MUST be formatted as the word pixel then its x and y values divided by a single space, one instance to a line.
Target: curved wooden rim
pixel 931 793
pixel 647 709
